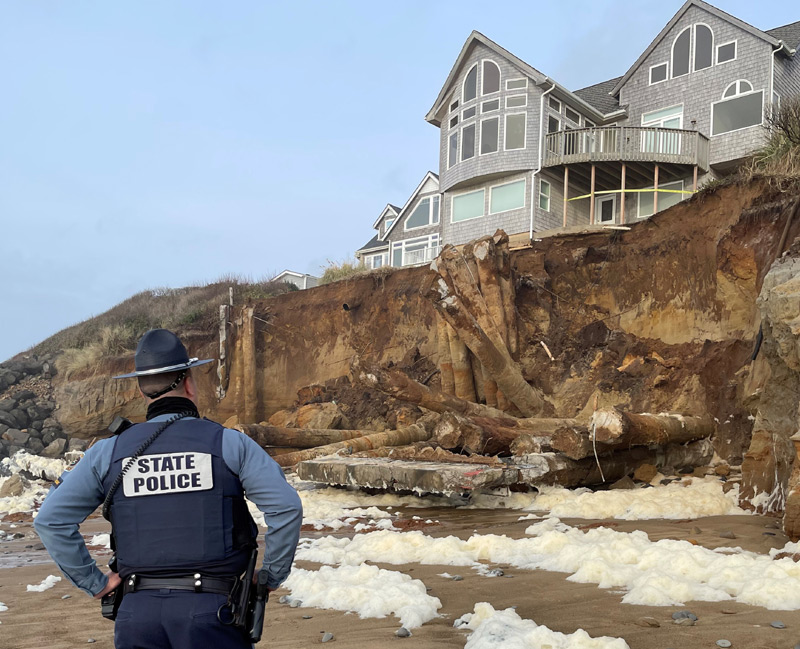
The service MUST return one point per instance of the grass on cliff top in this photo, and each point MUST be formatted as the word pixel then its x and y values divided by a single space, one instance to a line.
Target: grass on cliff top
pixel 337 271
pixel 119 329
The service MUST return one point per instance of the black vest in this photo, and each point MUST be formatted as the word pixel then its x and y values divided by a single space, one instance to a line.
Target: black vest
pixel 179 509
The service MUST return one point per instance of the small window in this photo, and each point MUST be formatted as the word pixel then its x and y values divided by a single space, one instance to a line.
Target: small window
pixel 469 112
pixel 490 130
pixel 515 131
pixel 504 198
pixel 516 84
pixel 544 195
pixel 554 104
pixel 703 47
pixel 454 105
pixel 389 223
pixel 489 106
pixel 737 88
pixel 680 53
pixel 452 155
pixel 468 142
pixel 453 121
pixel 491 78
pixel 471 84
pixel 658 73
pixel 467 206
pixel 726 52
pixel 553 124
pixel 588 124
pixel 572 115
pixel 516 101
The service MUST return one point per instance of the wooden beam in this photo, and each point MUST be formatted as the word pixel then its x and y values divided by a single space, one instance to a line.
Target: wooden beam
pixel 566 193
pixel 622 198
pixel 655 190
pixel 591 199
pixel 694 180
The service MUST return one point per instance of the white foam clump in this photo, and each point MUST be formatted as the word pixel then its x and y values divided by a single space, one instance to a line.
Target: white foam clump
pixel 492 628
pixel 103 540
pixel 367 590
pixel 3 607
pixel 47 583
pixel 43 467
pixel 32 497
pixel 661 573
pixel 677 500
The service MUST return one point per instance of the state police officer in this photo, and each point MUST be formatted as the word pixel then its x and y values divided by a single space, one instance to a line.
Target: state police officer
pixel 175 486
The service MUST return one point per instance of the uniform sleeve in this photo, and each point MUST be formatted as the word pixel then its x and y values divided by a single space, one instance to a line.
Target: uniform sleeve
pixel 65 508
pixel 266 486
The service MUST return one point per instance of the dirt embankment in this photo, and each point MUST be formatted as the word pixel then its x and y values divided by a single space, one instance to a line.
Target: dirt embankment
pixel 661 317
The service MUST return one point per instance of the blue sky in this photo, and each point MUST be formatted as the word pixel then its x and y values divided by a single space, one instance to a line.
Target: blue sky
pixel 149 144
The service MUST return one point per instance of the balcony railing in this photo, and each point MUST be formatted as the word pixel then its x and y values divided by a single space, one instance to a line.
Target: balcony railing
pixel 626 144
pixel 422 256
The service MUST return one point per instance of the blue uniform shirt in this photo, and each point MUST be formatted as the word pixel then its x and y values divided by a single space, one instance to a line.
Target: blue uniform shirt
pixel 81 492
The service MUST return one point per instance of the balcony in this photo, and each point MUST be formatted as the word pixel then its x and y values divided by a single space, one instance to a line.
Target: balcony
pixel 420 256
pixel 642 145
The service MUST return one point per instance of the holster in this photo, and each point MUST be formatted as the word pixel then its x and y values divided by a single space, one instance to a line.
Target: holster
pixel 110 602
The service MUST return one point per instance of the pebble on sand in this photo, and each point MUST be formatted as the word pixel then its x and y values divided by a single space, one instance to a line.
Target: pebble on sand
pixel 328 636
pixel 402 632
pixel 777 625
pixel 648 622
pixel 723 643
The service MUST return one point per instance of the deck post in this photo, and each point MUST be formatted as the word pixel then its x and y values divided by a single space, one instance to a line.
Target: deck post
pixel 591 198
pixel 622 197
pixel 566 192
pixel 694 183
pixel 655 191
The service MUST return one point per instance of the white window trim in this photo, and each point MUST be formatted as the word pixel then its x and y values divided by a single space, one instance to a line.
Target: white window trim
pixel 464 86
pixel 587 123
pixel 543 182
pixel 464 119
pixel 738 94
pixel 558 119
pixel 598 210
pixel 524 132
pixel 550 107
pixel 525 87
pixel 524 182
pixel 475 149
pixel 567 117
pixel 660 186
pixel 431 240
pixel 483 109
pixel 693 47
pixel 472 191
pixel 672 53
pixel 480 135
pixel 650 73
pixel 369 260
pixel 744 94
pixel 457 103
pixel 735 52
pixel 450 125
pixel 430 222
pixel 499 85
pixel 659 110
pixel 525 97
pixel 453 163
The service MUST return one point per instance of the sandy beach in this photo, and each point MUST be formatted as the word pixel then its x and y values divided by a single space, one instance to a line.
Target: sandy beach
pixel 37 619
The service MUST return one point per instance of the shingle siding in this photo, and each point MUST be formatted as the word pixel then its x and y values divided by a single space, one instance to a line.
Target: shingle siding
pixel 697 90
pixel 787 76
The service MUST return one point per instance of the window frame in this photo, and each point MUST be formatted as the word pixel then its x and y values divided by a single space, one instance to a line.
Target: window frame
pixel 650 73
pixel 524 182
pixel 401 245
pixel 453 197
pixel 490 110
pixel 464 100
pixel 522 105
pixel 550 106
pixel 557 120
pixel 480 134
pixel 464 117
pixel 660 186
pixel 456 134
pixel 577 121
pixel 472 125
pixel 430 222
pixel 524 131
pixel 731 98
pixel 735 43
pixel 672 54
pixel 483 77
pixel 543 182
pixel 523 79
pixel 693 48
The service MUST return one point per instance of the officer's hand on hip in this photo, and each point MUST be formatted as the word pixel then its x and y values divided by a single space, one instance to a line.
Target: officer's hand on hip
pixel 113 581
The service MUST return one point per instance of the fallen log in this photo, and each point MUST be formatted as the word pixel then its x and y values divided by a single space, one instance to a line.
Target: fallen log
pixel 575 443
pixel 539 425
pixel 400 437
pixel 498 362
pixel 400 386
pixel 266 435
pixel 527 443
pixel 613 426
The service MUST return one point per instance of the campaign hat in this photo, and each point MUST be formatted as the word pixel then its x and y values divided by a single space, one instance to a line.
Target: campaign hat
pixel 160 351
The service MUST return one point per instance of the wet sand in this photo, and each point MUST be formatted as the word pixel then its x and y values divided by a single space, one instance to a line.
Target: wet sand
pixel 46 620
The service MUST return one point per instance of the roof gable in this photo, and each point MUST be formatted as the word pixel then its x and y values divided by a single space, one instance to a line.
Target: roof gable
pixel 472 41
pixel 662 34
pixel 788 34
pixel 426 182
pixel 389 210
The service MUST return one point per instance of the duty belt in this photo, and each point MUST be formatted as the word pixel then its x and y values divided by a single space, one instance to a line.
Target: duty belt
pixel 196 583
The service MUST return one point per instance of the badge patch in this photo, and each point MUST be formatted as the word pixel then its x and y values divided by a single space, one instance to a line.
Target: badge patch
pixel 168 473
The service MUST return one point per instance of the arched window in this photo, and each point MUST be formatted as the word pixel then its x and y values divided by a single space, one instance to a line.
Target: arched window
pixel 703 47
pixel 740 107
pixel 680 53
pixel 491 78
pixel 737 88
pixel 471 84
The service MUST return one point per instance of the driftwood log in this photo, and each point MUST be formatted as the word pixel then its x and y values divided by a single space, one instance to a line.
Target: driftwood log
pixel 613 426
pixel 300 438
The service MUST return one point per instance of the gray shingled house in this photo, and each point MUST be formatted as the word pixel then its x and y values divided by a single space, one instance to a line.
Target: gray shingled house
pixel 519 151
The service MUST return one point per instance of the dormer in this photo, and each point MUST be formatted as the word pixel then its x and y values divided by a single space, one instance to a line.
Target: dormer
pixel 386 219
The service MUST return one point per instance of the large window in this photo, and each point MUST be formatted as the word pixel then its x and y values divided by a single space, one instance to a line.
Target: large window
pixel 680 53
pixel 424 214
pixel 515 131
pixel 467 206
pixel 419 250
pixel 665 198
pixel 471 84
pixel 468 142
pixel 663 141
pixel 452 151
pixel 491 78
pixel 740 107
pixel 489 135
pixel 510 196
pixel 376 261
pixel 703 47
